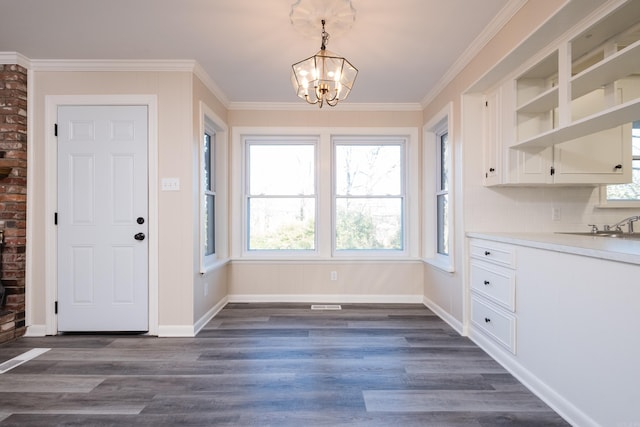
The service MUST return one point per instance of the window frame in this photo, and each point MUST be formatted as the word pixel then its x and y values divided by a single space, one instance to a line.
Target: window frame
pixel 210 122
pixel 208 189
pixel 370 140
pixel 605 202
pixel 324 135
pixel 246 195
pixel 438 125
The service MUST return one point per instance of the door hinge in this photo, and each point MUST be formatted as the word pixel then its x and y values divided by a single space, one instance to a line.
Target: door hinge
pixel 486 103
pixel 55 218
pixel 55 307
pixel 55 129
pixel 552 171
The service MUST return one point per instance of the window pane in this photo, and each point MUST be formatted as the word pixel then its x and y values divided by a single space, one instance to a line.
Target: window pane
pixel 282 170
pixel 369 223
pixel 368 170
pixel 443 224
pixel 626 191
pixel 444 161
pixel 209 229
pixel 206 153
pixel 281 223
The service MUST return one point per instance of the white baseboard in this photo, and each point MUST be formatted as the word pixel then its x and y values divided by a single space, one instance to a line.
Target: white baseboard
pixel 336 299
pixel 201 323
pixel 562 406
pixel 36 331
pixel 176 331
pixel 444 315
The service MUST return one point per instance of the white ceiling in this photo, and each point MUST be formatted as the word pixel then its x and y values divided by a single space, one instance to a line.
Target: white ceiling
pixel 402 48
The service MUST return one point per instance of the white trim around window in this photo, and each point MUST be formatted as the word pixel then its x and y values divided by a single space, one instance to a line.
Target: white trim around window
pixel 432 131
pixel 324 191
pixel 213 125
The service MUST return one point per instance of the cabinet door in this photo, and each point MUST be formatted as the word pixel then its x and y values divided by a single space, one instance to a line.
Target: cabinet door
pixel 492 139
pixel 530 167
pixel 600 158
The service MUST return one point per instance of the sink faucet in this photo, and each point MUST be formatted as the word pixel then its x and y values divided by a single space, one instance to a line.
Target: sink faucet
pixel 628 221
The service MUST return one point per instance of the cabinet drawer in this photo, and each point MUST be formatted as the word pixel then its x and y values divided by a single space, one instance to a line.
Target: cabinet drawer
pixel 495 283
pixel 494 252
pixel 494 322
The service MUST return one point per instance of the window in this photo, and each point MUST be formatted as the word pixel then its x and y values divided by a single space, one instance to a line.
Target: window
pixel 438 189
pixel 629 193
pixel 369 194
pixel 209 193
pixel 442 193
pixel 281 194
pixel 212 196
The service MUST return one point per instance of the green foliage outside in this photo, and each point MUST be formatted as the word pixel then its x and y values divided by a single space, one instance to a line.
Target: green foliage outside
pixel 294 235
pixel 358 230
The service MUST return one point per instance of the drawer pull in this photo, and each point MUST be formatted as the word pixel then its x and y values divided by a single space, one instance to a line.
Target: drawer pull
pixel 487 253
pixel 486 282
pixel 487 320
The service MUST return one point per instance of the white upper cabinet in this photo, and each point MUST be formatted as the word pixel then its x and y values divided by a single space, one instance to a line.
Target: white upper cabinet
pixel 595 63
pixel 565 117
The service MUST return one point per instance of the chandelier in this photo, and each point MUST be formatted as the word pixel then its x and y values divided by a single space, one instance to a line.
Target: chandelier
pixel 324 77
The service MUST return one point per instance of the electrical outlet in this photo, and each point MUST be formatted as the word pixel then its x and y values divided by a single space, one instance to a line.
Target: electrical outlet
pixel 206 289
pixel 334 275
pixel 555 214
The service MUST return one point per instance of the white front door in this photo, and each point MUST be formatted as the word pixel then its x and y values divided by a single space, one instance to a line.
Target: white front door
pixel 102 218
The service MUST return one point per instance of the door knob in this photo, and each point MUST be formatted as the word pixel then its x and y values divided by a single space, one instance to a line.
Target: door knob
pixel 139 236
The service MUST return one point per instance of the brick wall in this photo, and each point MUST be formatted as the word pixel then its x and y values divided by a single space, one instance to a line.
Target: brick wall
pixel 13 196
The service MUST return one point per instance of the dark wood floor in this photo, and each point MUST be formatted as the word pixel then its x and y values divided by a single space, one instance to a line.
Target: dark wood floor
pixel 271 365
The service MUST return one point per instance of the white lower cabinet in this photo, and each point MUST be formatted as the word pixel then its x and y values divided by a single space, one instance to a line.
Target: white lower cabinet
pixel 573 320
pixel 492 281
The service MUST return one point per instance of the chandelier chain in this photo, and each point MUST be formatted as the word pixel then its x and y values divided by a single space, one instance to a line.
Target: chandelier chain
pixel 325 37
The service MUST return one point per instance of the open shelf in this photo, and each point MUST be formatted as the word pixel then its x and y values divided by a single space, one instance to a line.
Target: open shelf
pixel 542 103
pixel 612 68
pixel 614 116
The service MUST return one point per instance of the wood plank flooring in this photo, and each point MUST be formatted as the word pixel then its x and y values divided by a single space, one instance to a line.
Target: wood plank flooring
pixel 271 365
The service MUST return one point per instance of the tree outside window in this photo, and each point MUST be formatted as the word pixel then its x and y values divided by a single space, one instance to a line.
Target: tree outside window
pixel 281 196
pixel 369 196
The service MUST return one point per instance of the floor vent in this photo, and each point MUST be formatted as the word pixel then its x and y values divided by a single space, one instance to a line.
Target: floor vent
pixel 326 307
pixel 19 360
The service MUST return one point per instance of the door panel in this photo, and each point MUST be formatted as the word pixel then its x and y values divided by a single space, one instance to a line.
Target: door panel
pixel 102 190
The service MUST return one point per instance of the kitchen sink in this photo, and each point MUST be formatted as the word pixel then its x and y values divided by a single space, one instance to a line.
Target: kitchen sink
pixel 610 234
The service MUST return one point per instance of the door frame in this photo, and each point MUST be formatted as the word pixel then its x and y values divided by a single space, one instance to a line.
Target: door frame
pixel 52 102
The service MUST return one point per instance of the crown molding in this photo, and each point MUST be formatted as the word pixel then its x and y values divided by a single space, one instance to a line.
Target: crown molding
pixel 15 58
pixel 111 65
pixel 302 106
pixel 496 24
pixel 190 66
pixel 206 79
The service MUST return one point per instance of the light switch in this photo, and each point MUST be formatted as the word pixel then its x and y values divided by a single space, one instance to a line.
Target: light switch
pixel 170 184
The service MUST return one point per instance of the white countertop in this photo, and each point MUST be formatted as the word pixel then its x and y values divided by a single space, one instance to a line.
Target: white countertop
pixel 607 248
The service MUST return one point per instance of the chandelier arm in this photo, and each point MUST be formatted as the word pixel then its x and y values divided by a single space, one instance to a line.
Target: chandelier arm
pixel 333 102
pixel 306 98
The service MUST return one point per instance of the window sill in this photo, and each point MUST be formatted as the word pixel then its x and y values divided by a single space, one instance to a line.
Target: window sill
pixel 619 205
pixel 215 265
pixel 297 260
pixel 442 265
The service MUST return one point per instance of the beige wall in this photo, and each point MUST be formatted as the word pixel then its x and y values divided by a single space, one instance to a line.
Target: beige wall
pixel 175 209
pixel 358 281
